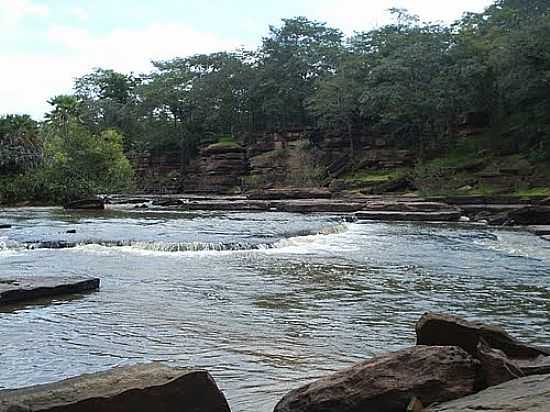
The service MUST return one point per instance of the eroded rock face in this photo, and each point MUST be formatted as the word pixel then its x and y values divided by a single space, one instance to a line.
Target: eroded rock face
pixel 389 382
pixel 442 330
pixel 529 394
pixel 140 388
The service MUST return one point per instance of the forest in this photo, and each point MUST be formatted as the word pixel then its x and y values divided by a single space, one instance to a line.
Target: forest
pixel 416 83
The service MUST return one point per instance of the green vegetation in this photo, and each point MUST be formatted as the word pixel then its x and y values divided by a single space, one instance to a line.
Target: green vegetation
pixel 376 175
pixel 460 97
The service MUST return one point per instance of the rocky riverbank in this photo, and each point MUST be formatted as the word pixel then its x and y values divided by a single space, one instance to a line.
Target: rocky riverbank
pixel 456 366
pixel 534 214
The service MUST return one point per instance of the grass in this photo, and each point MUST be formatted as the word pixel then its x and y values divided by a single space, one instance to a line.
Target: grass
pixel 369 176
pixel 534 192
pixel 226 139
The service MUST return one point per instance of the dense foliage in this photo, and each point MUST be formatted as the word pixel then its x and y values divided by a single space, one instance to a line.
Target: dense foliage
pixel 414 82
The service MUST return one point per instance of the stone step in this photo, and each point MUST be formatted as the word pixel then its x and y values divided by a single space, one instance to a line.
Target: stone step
pixel 20 289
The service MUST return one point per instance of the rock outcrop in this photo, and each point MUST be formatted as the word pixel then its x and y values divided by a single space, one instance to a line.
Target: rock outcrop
pixel 529 394
pixel 441 330
pixel 219 169
pixel 140 388
pixel 389 382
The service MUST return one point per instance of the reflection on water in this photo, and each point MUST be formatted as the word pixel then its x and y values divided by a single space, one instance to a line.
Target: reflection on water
pixel 274 301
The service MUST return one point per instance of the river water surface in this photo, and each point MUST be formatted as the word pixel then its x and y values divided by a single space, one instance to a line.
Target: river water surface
pixel 264 301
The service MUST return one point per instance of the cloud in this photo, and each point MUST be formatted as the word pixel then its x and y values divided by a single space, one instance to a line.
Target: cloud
pixel 27 81
pixel 79 13
pixel 360 15
pixel 13 11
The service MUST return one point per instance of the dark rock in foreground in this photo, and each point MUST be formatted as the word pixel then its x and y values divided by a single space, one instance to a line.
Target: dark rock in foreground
pixel 140 388
pixel 529 394
pixel 5 226
pixel 389 382
pixel 442 330
pixel 25 289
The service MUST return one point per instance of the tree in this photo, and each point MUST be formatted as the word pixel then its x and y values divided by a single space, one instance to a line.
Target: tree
pixel 292 59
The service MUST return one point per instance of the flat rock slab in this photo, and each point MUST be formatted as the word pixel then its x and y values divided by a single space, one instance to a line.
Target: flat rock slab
pixel 547 238
pixel 16 290
pixel 530 394
pixel 139 388
pixel 540 230
pixel 441 216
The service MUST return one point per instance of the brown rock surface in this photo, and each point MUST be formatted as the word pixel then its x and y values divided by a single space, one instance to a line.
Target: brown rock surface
pixel 389 382
pixel 140 388
pixel 441 330
pixel 529 394
pixel 496 367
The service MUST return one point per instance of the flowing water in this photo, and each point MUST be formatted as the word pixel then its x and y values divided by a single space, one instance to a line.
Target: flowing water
pixel 264 301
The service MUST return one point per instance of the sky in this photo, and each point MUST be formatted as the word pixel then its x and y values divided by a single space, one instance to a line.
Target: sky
pixel 46 44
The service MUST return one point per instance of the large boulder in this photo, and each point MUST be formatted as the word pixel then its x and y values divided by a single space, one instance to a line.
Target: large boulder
pixel 529 394
pixel 140 388
pixel 389 382
pixel 447 330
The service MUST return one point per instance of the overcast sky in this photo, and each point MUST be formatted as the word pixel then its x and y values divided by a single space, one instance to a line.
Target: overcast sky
pixel 47 43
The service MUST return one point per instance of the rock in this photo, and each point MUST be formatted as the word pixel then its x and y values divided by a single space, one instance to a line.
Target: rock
pixel 316 206
pixel 496 367
pixel 442 216
pixel 222 148
pixel 529 394
pixel 464 219
pixel 389 382
pixel 531 215
pixel 86 204
pixel 25 289
pixel 401 184
pixel 168 202
pixel 535 366
pixel 71 231
pixel 547 238
pixel 540 230
pixel 415 406
pixel 5 226
pixel 290 194
pixel 545 202
pixel 441 330
pixel 139 388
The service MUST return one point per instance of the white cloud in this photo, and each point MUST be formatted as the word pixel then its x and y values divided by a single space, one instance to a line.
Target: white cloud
pixel 359 15
pixel 13 11
pixel 27 81
pixel 79 13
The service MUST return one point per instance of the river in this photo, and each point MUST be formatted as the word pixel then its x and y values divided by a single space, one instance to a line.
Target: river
pixel 264 301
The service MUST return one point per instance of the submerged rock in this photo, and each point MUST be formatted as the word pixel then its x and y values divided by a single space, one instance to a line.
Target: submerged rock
pixel 529 394
pixel 139 388
pixel 16 290
pixel 389 382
